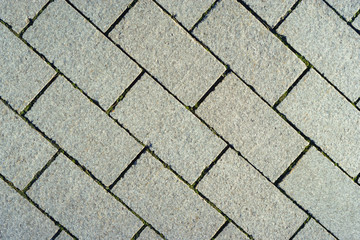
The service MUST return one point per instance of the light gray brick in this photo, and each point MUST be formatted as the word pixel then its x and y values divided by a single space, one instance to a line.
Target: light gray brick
pixel 173 132
pixel 147 234
pixel 230 232
pixel 326 41
pixel 102 13
pixel 328 194
pixel 256 205
pixel 271 11
pixel 167 51
pixel 80 204
pixel 325 116
pixel 84 131
pixel 169 205
pixel 254 129
pixel 356 23
pixel 23 73
pixel 313 230
pixel 17 13
pixel 82 53
pixel 23 151
pixel 346 8
pixel 21 220
pixel 252 51
pixel 188 12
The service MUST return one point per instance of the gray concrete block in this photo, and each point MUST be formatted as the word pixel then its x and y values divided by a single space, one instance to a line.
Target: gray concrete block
pixel 346 8
pixel 147 234
pixel 188 12
pixel 19 219
pixel 255 204
pixel 23 73
pixel 64 236
pixel 313 230
pixel 23 151
pixel 84 131
pixel 167 51
pixel 327 193
pixel 231 232
pixel 17 13
pixel 321 113
pixel 271 11
pixel 80 204
pixel 254 129
pixel 173 132
pixel 102 13
pixel 82 53
pixel 356 23
pixel 327 42
pixel 163 200
pixel 252 51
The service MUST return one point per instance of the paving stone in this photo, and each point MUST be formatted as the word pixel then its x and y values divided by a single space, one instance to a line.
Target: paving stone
pixel 84 131
pixel 169 205
pixel 23 73
pixel 188 12
pixel 23 151
pixel 271 11
pixel 80 204
pixel 82 53
pixel 102 13
pixel 313 230
pixel 147 234
pixel 326 41
pixel 173 132
pixel 256 205
pixel 321 113
pixel 17 13
pixel 327 193
pixel 254 129
pixel 64 236
pixel 252 51
pixel 167 51
pixel 356 23
pixel 230 232
pixel 21 220
pixel 346 8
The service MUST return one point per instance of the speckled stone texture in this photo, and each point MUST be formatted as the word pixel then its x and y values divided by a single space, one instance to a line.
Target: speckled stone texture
pixel 167 51
pixel 179 212
pixel 327 193
pixel 231 232
pixel 256 205
pixel 243 119
pixel 19 219
pixel 148 234
pixel 82 53
pixel 173 132
pixel 64 236
pixel 84 131
pixel 23 74
pixel 17 13
pixel 23 151
pixel 346 8
pixel 327 42
pixel 356 23
pixel 253 52
pixel 321 113
pixel 313 230
pixel 80 204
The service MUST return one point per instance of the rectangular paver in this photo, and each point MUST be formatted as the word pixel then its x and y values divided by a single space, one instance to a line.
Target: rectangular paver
pixel 169 205
pixel 167 51
pixel 19 219
pixel 327 193
pixel 80 204
pixel 252 51
pixel 173 132
pixel 325 116
pixel 23 151
pixel 313 230
pixel 231 232
pixel 327 42
pixel 23 73
pixel 346 8
pixel 256 205
pixel 84 131
pixel 82 53
pixel 254 129
pixel 17 13
pixel 356 23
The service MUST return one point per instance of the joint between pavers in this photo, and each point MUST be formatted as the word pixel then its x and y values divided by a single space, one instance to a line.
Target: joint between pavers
pixel 355 16
pixel 56 234
pixel 220 230
pixel 336 11
pixel 204 15
pixel 300 228
pixel 137 234
pixel 283 18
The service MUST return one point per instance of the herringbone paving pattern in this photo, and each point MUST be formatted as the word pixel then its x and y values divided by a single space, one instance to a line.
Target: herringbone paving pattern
pixel 159 119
